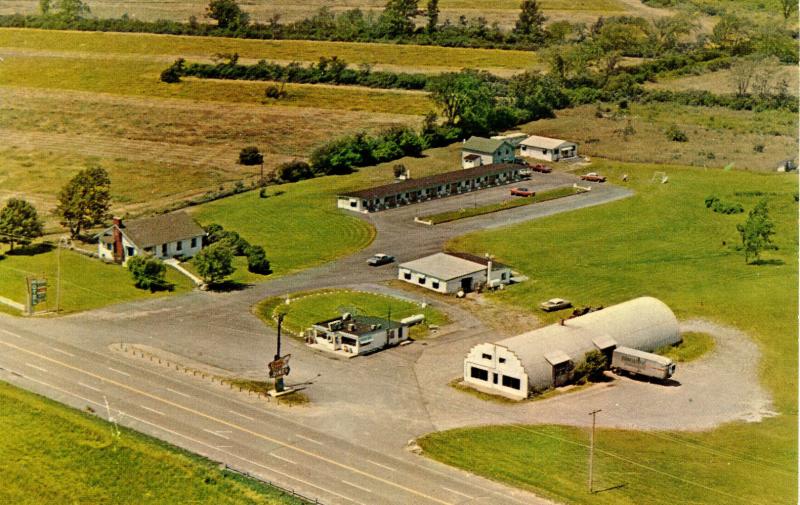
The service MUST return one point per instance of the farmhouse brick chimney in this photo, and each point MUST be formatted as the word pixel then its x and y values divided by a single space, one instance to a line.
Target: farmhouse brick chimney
pixel 119 254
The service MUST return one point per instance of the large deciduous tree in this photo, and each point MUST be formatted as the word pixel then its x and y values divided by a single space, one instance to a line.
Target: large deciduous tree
pixel 85 200
pixel 397 18
pixel 432 12
pixel 757 232
pixel 466 99
pixel 227 14
pixel 215 262
pixel 19 223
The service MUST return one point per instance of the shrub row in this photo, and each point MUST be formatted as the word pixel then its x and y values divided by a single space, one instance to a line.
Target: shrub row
pixel 256 256
pixel 707 99
pixel 722 207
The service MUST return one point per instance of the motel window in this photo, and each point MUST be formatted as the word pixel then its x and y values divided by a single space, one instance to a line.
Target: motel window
pixel 501 360
pixel 435 284
pixel 479 373
pixel 421 280
pixel 353 203
pixel 194 242
pixel 486 356
pixel 511 382
pixel 179 245
pixel 407 276
pixel 163 249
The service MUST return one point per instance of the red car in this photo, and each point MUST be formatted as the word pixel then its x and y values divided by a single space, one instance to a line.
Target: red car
pixel 593 177
pixel 522 192
pixel 544 169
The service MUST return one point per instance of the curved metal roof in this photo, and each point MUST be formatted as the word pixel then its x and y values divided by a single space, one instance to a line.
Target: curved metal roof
pixel 643 323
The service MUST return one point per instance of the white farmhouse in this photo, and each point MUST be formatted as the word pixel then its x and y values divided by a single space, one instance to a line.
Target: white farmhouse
pixel 163 236
pixel 544 358
pixel 353 334
pixel 453 272
pixel 477 151
pixel 544 148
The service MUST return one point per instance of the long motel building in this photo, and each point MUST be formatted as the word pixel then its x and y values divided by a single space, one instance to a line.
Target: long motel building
pixel 412 191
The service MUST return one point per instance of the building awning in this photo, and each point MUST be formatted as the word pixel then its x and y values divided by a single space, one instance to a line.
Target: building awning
pixel 604 342
pixel 556 357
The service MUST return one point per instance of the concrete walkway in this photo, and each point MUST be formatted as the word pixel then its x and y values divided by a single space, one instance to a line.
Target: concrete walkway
pixel 177 266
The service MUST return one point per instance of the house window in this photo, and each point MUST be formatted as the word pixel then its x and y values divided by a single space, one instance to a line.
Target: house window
pixel 109 246
pixel 435 284
pixel 479 373
pixel 486 356
pixel 407 276
pixel 494 378
pixel 163 249
pixel 194 242
pixel 131 251
pixel 511 382
pixel 353 203
pixel 501 360
pixel 421 280
pixel 179 246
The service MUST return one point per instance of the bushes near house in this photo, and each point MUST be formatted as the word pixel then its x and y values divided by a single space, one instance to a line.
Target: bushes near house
pixel 149 273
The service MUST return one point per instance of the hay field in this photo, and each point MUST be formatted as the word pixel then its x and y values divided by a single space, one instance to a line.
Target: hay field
pixel 717 136
pixel 65 105
pixel 503 11
pixel 721 81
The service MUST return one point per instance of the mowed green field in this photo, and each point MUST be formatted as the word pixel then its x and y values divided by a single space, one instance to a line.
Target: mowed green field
pixel 142 44
pixel 662 242
pixel 86 283
pixel 53 454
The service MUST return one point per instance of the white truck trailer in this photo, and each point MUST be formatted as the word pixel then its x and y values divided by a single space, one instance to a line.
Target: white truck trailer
pixel 643 363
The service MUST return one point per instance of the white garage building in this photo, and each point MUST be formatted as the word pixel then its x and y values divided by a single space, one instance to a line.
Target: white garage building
pixel 545 148
pixel 453 272
pixel 544 358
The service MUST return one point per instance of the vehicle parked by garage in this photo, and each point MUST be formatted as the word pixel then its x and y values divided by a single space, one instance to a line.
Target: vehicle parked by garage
pixel 593 177
pixel 380 259
pixel 646 364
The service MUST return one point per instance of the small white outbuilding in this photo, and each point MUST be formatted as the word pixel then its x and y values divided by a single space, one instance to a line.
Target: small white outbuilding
pixel 544 358
pixel 545 148
pixel 453 272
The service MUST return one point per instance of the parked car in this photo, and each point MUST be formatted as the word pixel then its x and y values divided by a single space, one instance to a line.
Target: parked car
pixel 554 304
pixel 544 169
pixel 380 259
pixel 522 192
pixel 593 177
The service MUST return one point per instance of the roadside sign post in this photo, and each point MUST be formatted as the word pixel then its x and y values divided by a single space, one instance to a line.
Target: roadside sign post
pixel 36 293
pixel 279 366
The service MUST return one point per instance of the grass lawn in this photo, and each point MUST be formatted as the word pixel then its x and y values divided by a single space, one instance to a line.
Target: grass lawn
pixel 86 283
pixel 717 136
pixel 542 196
pixel 306 309
pixel 284 50
pixel 721 81
pixel 661 242
pixel 53 454
pixel 693 346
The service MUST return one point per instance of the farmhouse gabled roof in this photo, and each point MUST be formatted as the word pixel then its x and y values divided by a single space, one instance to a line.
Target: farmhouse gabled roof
pixel 431 181
pixel 483 145
pixel 546 142
pixel 161 229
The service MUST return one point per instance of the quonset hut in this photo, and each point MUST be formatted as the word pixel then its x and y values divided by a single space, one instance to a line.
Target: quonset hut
pixel 544 358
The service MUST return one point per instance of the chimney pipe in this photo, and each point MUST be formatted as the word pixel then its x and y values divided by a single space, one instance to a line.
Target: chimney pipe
pixel 119 253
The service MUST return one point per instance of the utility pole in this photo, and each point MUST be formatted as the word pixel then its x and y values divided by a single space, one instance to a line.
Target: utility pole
pixel 58 276
pixel 591 450
pixel 279 379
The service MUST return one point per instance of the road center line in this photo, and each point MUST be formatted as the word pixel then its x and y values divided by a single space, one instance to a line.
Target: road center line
pixel 36 367
pixel 380 465
pixel 309 439
pixel 56 349
pixel 187 437
pixel 126 374
pixel 458 493
pixel 89 387
pixel 178 393
pixel 231 425
pixel 241 415
pixel 216 434
pixel 153 410
pixel 283 459
pixel 356 486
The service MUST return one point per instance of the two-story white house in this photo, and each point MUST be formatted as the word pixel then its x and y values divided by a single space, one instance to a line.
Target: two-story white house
pixel 477 151
pixel 163 236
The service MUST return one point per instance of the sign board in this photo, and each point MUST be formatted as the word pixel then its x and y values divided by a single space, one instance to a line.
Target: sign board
pixel 38 291
pixel 279 367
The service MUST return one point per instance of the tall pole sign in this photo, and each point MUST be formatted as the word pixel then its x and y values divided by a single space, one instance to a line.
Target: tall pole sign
pixel 279 366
